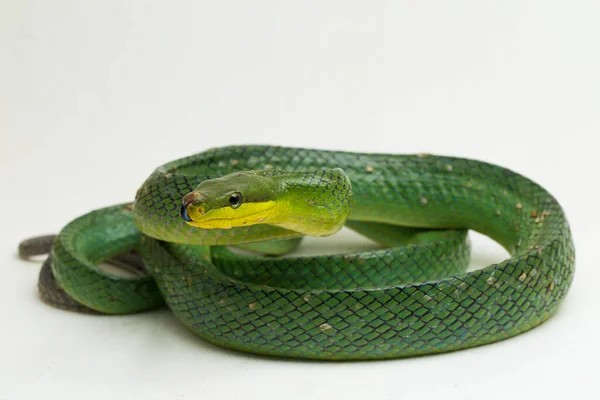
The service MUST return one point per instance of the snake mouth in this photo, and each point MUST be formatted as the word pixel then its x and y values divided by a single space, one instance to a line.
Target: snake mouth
pixel 183 210
pixel 188 200
pixel 226 217
pixel 218 219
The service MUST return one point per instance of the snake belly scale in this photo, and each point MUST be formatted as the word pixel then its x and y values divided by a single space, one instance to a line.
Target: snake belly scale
pixel 412 297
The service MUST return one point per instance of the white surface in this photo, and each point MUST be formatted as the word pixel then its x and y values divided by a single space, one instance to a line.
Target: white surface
pixel 94 95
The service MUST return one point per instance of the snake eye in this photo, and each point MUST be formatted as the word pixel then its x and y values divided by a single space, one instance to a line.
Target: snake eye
pixel 235 200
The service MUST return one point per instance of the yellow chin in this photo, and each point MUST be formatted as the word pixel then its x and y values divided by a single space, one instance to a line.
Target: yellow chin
pixel 227 217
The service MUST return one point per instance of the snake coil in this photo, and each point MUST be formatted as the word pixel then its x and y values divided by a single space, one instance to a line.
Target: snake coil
pixel 411 297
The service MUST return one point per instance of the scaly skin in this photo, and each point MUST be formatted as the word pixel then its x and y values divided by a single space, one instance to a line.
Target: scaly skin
pixel 392 302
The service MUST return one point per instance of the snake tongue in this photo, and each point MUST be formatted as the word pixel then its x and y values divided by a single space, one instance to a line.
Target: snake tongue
pixel 183 212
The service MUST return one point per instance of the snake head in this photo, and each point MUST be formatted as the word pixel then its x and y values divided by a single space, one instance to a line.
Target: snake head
pixel 314 203
pixel 237 199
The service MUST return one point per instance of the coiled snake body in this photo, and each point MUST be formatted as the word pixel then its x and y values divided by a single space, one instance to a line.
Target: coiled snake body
pixel 411 297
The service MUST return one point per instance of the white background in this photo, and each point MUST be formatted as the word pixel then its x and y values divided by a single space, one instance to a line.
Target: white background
pixel 94 95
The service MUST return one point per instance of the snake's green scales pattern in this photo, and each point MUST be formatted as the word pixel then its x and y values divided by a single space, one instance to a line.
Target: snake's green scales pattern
pixel 393 302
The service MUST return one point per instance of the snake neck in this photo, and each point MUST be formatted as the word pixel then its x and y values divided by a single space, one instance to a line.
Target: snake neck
pixel 315 203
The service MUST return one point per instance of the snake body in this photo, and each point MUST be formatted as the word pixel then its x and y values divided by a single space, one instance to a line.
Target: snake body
pixel 412 297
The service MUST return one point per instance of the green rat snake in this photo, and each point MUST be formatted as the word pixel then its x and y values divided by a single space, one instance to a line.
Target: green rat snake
pixel 412 296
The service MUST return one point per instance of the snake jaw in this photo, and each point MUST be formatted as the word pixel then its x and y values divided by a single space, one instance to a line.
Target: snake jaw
pixel 226 217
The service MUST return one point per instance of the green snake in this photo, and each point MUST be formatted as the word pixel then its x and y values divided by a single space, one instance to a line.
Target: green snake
pixel 410 297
